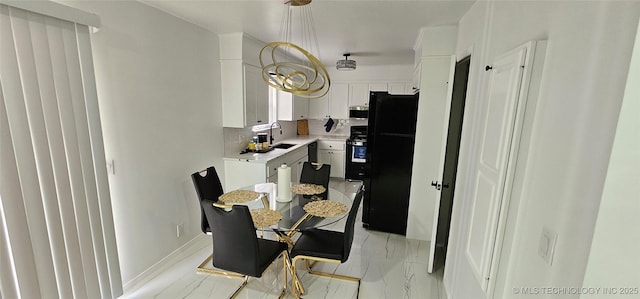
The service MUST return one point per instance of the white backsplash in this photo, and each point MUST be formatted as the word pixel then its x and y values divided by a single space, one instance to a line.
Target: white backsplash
pixel 340 128
pixel 236 140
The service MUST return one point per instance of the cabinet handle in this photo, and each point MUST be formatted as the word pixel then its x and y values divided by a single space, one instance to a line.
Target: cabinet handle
pixel 259 121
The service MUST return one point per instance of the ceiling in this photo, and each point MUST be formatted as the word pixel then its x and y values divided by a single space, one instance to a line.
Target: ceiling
pixel 375 32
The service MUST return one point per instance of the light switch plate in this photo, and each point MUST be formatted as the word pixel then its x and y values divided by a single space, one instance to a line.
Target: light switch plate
pixel 547 245
pixel 111 167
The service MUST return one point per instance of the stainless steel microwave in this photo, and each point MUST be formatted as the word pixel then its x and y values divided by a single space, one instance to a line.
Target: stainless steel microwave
pixel 359 112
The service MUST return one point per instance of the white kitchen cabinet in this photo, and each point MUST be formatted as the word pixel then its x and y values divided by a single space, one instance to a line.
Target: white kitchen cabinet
pixel 332 152
pixel 296 168
pixel 334 104
pixel 241 173
pixel 401 88
pixel 319 108
pixel 291 107
pixel 339 101
pixel 359 92
pixel 379 86
pixel 417 71
pixel 245 97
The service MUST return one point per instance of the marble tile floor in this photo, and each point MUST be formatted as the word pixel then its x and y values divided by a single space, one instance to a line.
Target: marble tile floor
pixel 390 266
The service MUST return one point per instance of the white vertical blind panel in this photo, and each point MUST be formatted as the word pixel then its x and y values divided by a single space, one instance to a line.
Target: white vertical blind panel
pixel 25 161
pixel 106 249
pixel 86 165
pixel 55 212
pixel 74 231
pixel 8 287
pixel 34 59
pixel 21 265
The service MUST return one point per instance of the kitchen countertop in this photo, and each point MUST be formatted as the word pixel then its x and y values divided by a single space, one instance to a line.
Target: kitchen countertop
pixel 299 142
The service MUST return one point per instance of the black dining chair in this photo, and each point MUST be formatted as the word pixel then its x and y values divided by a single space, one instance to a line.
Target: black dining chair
pixel 326 246
pixel 318 174
pixel 237 248
pixel 209 188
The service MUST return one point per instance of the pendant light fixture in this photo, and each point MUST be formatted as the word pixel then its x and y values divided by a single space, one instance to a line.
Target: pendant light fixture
pixel 289 65
pixel 346 64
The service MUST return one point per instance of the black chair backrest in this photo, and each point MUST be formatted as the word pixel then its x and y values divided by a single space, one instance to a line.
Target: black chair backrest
pixel 235 240
pixel 208 187
pixel 351 220
pixel 319 176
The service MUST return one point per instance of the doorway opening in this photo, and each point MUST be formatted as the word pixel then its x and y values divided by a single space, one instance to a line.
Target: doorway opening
pixel 456 116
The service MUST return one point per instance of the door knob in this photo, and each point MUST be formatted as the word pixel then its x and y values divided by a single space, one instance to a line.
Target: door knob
pixel 439 186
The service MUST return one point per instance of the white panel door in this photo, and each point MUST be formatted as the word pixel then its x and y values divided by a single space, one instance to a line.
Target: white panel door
pixel 430 144
pixel 493 165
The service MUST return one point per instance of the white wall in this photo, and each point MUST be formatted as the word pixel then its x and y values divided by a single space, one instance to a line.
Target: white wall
pixel 616 240
pixel 571 134
pixel 159 94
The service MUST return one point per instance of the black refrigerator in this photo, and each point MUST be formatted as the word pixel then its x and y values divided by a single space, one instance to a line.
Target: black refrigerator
pixel 390 147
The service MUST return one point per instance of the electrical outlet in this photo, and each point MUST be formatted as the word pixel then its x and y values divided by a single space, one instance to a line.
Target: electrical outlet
pixel 547 245
pixel 179 230
pixel 241 138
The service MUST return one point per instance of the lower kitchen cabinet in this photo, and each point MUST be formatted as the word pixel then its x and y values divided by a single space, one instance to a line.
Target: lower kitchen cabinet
pixel 296 169
pixel 332 152
pixel 242 173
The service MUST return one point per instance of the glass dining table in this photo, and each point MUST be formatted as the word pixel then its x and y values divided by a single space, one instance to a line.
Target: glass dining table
pixel 293 214
pixel 285 218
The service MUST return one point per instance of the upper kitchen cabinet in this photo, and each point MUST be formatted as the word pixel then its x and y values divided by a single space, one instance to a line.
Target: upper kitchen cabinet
pixel 339 101
pixel 245 97
pixel 291 107
pixel 417 71
pixel 334 104
pixel 359 92
pixel 401 88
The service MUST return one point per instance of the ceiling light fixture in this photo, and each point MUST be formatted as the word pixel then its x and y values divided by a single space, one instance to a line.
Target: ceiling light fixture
pixel 346 64
pixel 290 65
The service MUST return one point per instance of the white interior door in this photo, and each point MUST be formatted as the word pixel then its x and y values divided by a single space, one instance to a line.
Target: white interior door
pixel 441 147
pixel 495 156
pixel 428 157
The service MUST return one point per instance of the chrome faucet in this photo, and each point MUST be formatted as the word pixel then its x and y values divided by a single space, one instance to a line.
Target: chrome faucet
pixel 271 131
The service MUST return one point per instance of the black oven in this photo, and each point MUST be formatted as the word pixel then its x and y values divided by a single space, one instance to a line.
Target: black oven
pixel 356 160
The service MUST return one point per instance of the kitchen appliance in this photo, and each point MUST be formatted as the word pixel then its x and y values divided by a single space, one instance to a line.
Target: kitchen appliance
pixel 390 147
pixel 356 160
pixel 358 112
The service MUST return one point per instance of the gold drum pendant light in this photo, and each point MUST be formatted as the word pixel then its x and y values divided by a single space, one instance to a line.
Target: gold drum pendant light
pixel 292 67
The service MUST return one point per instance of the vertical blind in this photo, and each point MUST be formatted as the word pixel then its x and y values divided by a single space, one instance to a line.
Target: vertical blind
pixel 57 237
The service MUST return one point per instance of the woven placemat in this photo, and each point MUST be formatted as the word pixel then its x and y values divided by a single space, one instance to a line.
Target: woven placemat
pixel 325 208
pixel 239 196
pixel 307 189
pixel 264 217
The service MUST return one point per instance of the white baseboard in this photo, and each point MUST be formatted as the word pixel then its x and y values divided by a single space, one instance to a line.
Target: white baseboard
pixel 189 248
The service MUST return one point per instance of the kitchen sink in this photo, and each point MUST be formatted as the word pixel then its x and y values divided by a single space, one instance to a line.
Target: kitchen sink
pixel 284 145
